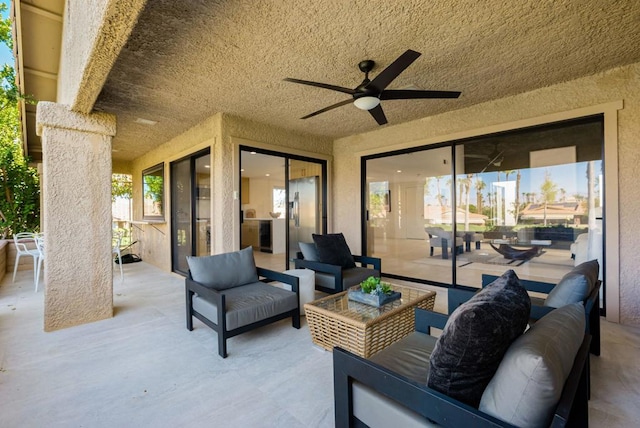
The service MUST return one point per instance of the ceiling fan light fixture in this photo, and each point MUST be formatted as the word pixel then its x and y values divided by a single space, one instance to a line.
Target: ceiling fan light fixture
pixel 367 103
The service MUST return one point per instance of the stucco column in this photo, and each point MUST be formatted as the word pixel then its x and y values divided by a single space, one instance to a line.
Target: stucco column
pixel 76 190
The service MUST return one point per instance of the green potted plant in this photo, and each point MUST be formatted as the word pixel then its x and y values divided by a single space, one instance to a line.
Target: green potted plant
pixel 372 291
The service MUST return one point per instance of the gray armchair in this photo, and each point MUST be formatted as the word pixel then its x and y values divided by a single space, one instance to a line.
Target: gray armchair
pixel 225 293
pixel 438 237
pixel 337 275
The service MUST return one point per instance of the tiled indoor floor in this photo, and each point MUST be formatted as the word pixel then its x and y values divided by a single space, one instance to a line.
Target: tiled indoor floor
pixel 142 368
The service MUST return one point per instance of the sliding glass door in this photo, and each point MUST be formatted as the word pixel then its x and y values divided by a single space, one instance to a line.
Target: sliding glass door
pixel 282 203
pixel 529 200
pixel 408 196
pixel 190 209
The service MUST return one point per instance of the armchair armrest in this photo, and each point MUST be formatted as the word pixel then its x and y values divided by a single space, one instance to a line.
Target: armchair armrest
pixel 196 287
pixel 376 262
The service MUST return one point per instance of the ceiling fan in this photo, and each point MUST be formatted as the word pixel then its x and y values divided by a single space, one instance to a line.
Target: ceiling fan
pixel 368 94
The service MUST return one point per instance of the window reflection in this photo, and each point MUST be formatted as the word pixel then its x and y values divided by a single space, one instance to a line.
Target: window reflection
pixel 519 200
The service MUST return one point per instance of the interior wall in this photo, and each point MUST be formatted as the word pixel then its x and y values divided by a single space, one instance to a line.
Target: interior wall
pixel 621 83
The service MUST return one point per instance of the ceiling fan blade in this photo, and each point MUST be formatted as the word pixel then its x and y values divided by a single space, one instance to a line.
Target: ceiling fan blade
pixel 378 115
pixel 387 75
pixel 321 85
pixel 408 94
pixel 331 107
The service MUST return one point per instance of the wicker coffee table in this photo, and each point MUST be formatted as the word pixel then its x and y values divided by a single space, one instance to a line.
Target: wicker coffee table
pixel 362 329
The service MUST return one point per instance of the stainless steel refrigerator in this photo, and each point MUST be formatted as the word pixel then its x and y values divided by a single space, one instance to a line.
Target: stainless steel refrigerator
pixel 304 212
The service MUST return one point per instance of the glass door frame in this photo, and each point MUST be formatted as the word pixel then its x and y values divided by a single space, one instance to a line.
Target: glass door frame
pixel 287 157
pixel 193 208
pixel 454 144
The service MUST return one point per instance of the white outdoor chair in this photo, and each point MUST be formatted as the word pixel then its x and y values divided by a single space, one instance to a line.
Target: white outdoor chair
pixel 117 241
pixel 40 247
pixel 21 240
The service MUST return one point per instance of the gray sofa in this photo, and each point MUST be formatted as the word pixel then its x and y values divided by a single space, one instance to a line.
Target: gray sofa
pixel 225 293
pixel 390 388
pixel 484 369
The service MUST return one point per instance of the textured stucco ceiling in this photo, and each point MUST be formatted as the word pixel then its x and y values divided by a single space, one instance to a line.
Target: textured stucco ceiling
pixel 188 60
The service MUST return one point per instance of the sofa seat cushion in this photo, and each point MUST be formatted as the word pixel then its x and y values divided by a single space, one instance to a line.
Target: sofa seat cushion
pixel 248 304
pixel 333 249
pixel 528 383
pixel 223 271
pixel 475 338
pixel 408 356
pixel 575 286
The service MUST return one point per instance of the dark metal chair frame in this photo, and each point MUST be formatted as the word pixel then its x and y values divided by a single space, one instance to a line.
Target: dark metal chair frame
pixel 337 271
pixel 218 298
pixel 572 409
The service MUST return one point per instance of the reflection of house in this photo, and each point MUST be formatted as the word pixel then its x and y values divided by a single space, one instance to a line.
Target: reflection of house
pixel 565 211
pixel 436 214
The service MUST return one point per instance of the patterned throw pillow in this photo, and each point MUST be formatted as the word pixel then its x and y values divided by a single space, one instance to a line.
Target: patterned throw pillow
pixel 476 337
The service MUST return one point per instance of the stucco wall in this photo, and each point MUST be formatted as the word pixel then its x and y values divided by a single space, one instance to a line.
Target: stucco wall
pixel 221 134
pixel 616 84
pixel 154 241
pixel 93 35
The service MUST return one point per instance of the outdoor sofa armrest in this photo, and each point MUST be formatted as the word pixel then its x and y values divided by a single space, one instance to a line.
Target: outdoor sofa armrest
pixel 571 410
pixel 457 296
pixel 426 320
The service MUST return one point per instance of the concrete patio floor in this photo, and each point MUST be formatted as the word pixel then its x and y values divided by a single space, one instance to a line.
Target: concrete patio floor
pixel 142 368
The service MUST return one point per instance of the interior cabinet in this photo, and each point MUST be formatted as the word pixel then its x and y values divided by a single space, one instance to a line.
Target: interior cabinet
pixel 250 236
pixel 244 190
pixel 309 170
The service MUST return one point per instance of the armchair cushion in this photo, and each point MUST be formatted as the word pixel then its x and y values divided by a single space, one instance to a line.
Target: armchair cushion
pixel 333 249
pixel 529 381
pixel 309 251
pixel 248 304
pixel 575 286
pixel 476 337
pixel 224 271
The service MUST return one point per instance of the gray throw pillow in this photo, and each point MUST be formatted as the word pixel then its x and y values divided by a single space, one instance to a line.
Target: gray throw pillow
pixel 476 337
pixel 575 286
pixel 333 249
pixel 224 271
pixel 309 251
pixel 527 386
